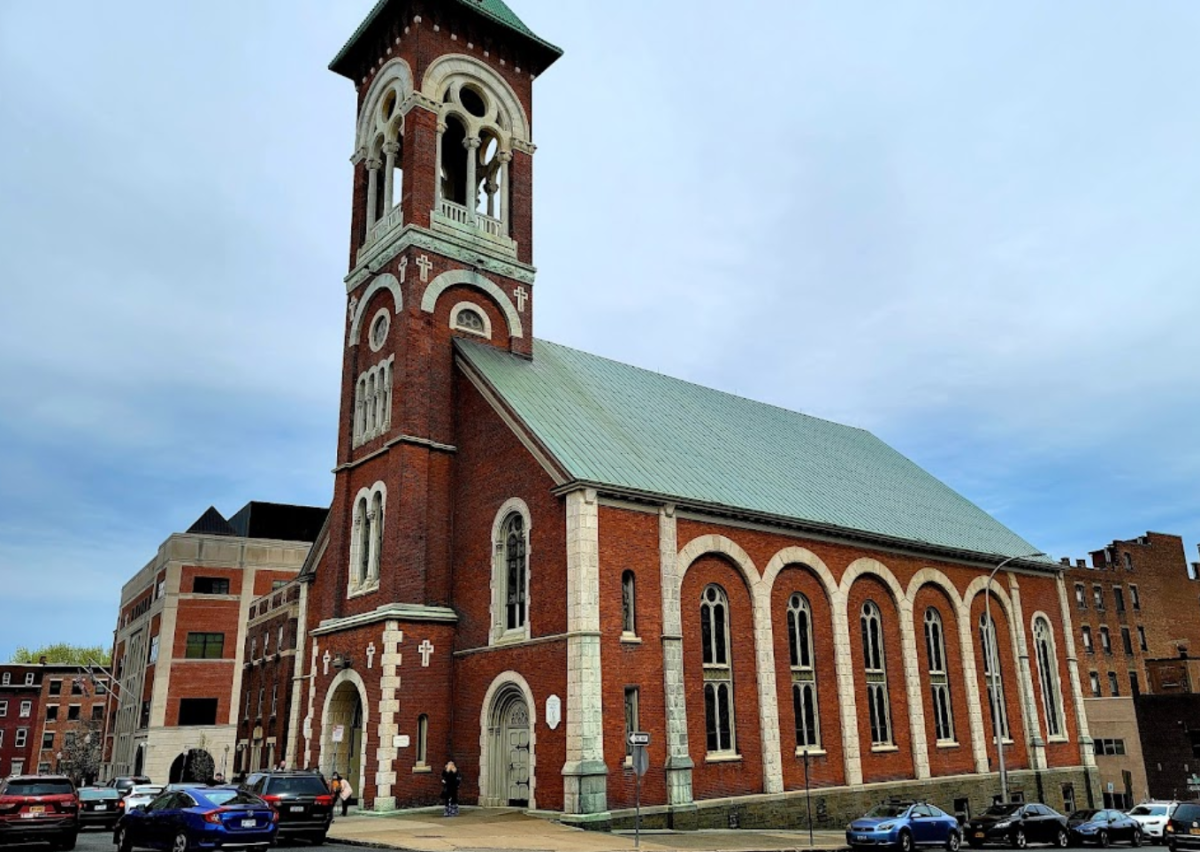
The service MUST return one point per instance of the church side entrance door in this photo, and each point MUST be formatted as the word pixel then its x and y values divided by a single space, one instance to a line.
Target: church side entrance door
pixel 509 769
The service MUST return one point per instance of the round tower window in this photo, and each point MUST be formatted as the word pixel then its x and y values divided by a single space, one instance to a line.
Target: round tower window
pixel 472 102
pixel 379 330
pixel 469 320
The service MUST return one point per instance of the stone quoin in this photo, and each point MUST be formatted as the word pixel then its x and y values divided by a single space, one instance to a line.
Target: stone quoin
pixel 522 532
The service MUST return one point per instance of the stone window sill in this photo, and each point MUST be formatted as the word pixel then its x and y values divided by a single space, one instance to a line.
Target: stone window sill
pixel 947 744
pixel 1059 739
pixel 884 749
pixel 630 639
pixel 359 591
pixel 422 770
pixel 812 752
pixel 723 758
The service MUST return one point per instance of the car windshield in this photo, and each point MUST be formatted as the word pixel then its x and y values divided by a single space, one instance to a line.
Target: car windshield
pixel 93 794
pixel 41 787
pixel 887 811
pixel 232 797
pixel 297 784
pixel 1149 810
pixel 1086 814
pixel 1003 810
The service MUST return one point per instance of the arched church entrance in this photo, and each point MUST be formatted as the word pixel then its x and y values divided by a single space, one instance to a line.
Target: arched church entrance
pixel 509 764
pixel 343 740
pixel 194 765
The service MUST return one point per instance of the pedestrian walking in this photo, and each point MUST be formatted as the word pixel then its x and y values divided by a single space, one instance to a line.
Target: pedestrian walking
pixel 345 791
pixel 450 781
pixel 335 787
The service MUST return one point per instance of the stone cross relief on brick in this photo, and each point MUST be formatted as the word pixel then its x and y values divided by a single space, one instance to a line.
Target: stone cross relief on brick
pixel 425 264
pixel 522 296
pixel 425 649
pixel 325 660
pixel 370 655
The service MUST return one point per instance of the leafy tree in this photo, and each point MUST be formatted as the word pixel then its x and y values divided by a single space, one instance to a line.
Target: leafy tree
pixel 83 752
pixel 61 652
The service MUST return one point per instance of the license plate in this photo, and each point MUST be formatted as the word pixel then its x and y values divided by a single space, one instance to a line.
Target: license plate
pixel 249 823
pixel 1194 831
pixel 101 807
pixel 297 809
pixel 979 834
pixel 36 809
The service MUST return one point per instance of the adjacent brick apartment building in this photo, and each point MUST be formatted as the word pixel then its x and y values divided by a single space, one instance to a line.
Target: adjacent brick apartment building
pixel 71 729
pixel 533 551
pixel 268 665
pixel 20 715
pixel 177 653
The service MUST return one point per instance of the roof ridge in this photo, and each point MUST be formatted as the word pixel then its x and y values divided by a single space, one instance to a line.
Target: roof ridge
pixel 707 388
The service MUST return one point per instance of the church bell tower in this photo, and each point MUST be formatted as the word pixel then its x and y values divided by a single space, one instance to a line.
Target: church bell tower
pixel 441 247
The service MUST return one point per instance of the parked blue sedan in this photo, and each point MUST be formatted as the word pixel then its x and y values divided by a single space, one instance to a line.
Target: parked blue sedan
pixel 198 818
pixel 904 826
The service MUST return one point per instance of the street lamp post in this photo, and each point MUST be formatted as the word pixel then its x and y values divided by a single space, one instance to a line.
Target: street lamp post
pixel 993 664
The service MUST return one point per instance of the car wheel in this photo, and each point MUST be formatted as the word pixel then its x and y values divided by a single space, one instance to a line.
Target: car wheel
pixel 953 842
pixel 181 843
pixel 973 843
pixel 1062 840
pixel 1102 838
pixel 122 841
pixel 66 842
pixel 1136 840
pixel 318 839
pixel 1019 841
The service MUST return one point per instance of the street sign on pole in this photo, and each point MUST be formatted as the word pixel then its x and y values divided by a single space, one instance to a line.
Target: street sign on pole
pixel 639 738
pixel 641 762
pixel 339 733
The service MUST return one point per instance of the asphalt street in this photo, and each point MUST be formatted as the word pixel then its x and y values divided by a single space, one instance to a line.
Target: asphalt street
pixel 101 840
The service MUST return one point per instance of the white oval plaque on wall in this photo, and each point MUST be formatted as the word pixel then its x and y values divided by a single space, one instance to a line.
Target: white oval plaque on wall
pixel 553 711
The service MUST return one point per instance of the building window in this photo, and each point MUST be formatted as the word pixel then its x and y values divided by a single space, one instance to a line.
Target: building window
pixel 254 648
pixel 1135 688
pixel 26 709
pixel 373 402
pixel 1080 596
pixel 1048 673
pixel 718 672
pixel 939 680
pixel 3 709
pixel 197 711
pixel 631 719
pixel 29 678
pixel 160 589
pixel 993 674
pixel 1105 641
pixel 366 549
pixel 1141 631
pixel 1126 641
pixel 97 712
pixel 276 585
pixel 1068 794
pixel 261 694
pixel 210 586
pixel 1113 686
pixel 22 736
pixel 73 713
pixel 153 656
pixel 628 604
pixel 274 698
pixel 279 641
pixel 18 767
pixel 422 740
pixel 47 741
pixel 206 646
pixel 1119 598
pixel 875 669
pixel 804 678
pixel 1128 561
pixel 144 720
pixel 77 686
pixel 101 686
pixel 246 711
pixel 1086 636
pixel 69 739
pixel 5 679
pixel 1098 596
pixel 1108 746
pixel 52 713
pixel 515 572
pixel 1 740
pixel 56 687
pixel 471 320
pixel 1095 681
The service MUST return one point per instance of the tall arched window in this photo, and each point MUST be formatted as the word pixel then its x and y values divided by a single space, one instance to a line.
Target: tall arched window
pixel 363 526
pixel 992 673
pixel 939 680
pixel 875 664
pixel 422 740
pixel 718 672
pixel 1048 674
pixel 515 572
pixel 366 543
pixel 804 679
pixel 376 536
pixel 628 604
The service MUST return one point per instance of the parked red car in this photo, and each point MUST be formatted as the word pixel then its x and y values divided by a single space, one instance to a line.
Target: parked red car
pixel 39 807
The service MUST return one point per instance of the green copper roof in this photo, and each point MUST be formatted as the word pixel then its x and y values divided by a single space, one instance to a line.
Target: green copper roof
pixel 612 424
pixel 495 10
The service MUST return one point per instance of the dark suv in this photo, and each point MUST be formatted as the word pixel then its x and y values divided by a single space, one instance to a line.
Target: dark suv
pixel 302 800
pixel 1183 828
pixel 39 807
pixel 124 783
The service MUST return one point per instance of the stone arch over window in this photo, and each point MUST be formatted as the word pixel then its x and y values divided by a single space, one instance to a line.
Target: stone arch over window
pixel 1046 653
pixel 717 658
pixel 511 530
pixel 469 317
pixel 366 541
pixel 359 304
pixel 344 684
pixel 460 68
pixel 875 667
pixel 628 603
pixel 454 277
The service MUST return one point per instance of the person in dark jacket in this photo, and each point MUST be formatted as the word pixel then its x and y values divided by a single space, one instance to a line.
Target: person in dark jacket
pixel 450 781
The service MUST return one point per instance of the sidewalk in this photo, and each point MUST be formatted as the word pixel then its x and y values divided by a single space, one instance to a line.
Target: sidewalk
pixel 508 831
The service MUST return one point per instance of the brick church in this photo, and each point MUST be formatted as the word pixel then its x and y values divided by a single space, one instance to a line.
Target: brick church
pixel 532 551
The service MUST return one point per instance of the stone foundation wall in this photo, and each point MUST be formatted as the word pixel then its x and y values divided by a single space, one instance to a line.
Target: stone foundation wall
pixel 834 807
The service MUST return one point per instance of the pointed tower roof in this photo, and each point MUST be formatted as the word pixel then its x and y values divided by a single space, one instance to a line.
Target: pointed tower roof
pixel 496 11
pixel 211 522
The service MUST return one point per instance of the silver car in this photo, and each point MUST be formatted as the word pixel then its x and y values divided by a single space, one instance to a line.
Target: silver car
pixel 141 794
pixel 1153 817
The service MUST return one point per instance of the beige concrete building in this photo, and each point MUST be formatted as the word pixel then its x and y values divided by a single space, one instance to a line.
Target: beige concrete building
pixel 1118 747
pixel 181 630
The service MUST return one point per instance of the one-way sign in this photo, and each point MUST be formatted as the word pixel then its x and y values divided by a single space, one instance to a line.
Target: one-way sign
pixel 639 738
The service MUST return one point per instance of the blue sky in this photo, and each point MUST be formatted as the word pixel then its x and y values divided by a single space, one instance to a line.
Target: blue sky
pixel 970 228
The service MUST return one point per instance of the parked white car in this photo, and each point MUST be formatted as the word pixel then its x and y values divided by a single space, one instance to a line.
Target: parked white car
pixel 1153 817
pixel 144 794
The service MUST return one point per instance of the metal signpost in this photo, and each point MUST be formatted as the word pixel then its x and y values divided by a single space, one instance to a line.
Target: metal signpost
pixel 639 740
pixel 339 733
pixel 808 798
